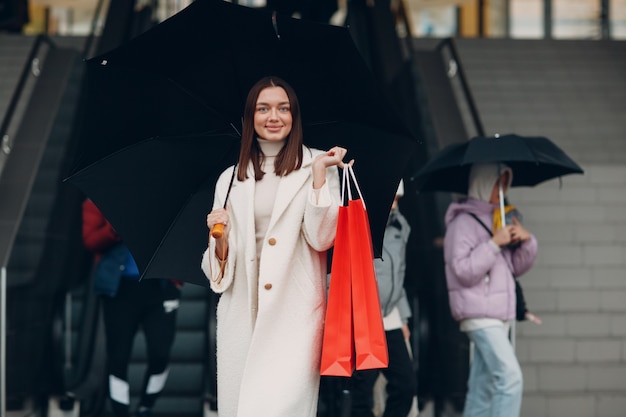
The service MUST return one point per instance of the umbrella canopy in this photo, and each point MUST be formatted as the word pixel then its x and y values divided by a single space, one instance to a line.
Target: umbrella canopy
pixel 532 159
pixel 164 110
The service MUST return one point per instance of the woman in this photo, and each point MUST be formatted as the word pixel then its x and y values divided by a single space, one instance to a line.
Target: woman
pixel 270 264
pixel 479 272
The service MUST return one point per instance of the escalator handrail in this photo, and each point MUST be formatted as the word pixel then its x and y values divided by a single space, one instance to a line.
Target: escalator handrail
pixel 19 89
pixel 92 32
pixel 451 45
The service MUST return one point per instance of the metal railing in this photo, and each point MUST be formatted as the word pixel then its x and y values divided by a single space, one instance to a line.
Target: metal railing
pixel 31 67
pixel 457 69
pixel 89 43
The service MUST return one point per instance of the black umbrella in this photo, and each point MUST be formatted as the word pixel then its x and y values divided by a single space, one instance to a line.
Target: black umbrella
pixel 164 111
pixel 532 159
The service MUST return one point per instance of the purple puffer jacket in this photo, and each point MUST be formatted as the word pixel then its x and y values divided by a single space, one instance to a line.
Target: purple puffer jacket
pixel 479 276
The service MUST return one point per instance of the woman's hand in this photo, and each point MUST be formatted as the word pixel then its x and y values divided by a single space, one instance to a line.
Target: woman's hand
pixel 533 318
pixel 502 236
pixel 518 232
pixel 220 216
pixel 333 156
pixel 217 216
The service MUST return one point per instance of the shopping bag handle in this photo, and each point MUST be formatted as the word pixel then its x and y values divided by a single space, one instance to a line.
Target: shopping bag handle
pixel 351 173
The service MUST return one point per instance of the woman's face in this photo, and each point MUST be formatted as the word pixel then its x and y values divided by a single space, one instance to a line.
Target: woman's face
pixel 272 115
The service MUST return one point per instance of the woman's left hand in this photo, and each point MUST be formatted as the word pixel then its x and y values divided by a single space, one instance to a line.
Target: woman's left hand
pixel 333 156
pixel 533 318
pixel 518 232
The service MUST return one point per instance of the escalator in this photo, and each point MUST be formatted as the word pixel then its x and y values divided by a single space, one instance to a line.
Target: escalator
pixel 189 389
pixel 442 350
pixel 55 343
pixel 36 255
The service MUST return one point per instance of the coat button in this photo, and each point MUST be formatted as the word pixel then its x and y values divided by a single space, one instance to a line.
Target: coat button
pixel 272 241
pixel 268 286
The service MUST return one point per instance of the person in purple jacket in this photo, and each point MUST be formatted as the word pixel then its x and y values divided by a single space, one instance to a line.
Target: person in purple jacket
pixel 480 268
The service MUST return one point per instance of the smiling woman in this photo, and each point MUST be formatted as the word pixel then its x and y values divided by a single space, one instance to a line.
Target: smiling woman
pixel 270 263
pixel 272 117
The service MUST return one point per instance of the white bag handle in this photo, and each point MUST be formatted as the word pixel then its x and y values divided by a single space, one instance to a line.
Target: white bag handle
pixel 348 168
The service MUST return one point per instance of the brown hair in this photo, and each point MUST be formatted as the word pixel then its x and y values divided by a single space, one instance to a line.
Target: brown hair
pixel 290 156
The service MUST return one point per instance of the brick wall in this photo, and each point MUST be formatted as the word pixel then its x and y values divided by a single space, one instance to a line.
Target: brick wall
pixel 573 92
pixel 574 364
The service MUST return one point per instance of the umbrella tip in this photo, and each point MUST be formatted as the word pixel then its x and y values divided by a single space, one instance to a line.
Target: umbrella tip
pixel 104 62
pixel 275 24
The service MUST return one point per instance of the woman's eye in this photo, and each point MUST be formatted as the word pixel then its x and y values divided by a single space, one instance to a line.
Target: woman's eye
pixel 284 109
pixel 261 109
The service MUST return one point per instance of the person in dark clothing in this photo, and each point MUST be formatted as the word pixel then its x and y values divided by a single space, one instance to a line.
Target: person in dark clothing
pixel 129 304
pixel 390 271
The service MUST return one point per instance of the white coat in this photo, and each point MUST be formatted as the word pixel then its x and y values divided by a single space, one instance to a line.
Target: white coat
pixel 270 319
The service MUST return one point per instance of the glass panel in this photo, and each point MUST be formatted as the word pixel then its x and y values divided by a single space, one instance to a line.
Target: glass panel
pixel 617 13
pixel 66 17
pixel 527 19
pixel 496 15
pixel 439 22
pixel 576 19
pixel 73 21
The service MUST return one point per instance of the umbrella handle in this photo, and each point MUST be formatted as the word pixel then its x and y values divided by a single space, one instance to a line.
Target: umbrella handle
pixel 218 230
pixel 502 213
pixel 501 197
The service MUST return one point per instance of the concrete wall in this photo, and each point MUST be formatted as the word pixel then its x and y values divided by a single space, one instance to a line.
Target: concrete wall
pixel 574 363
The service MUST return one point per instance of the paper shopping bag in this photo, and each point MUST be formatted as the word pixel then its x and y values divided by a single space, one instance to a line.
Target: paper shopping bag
pixel 369 333
pixel 337 343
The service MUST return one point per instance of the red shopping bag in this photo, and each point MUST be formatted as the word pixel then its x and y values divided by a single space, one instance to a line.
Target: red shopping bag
pixel 369 334
pixel 338 343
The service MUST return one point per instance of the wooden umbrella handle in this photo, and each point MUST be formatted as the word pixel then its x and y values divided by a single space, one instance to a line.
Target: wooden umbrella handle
pixel 218 230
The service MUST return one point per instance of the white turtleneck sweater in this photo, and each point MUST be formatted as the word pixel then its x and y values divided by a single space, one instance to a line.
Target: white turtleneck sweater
pixel 265 190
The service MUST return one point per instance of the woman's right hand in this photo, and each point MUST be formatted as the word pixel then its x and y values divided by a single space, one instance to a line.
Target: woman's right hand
pixel 218 216
pixel 502 236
